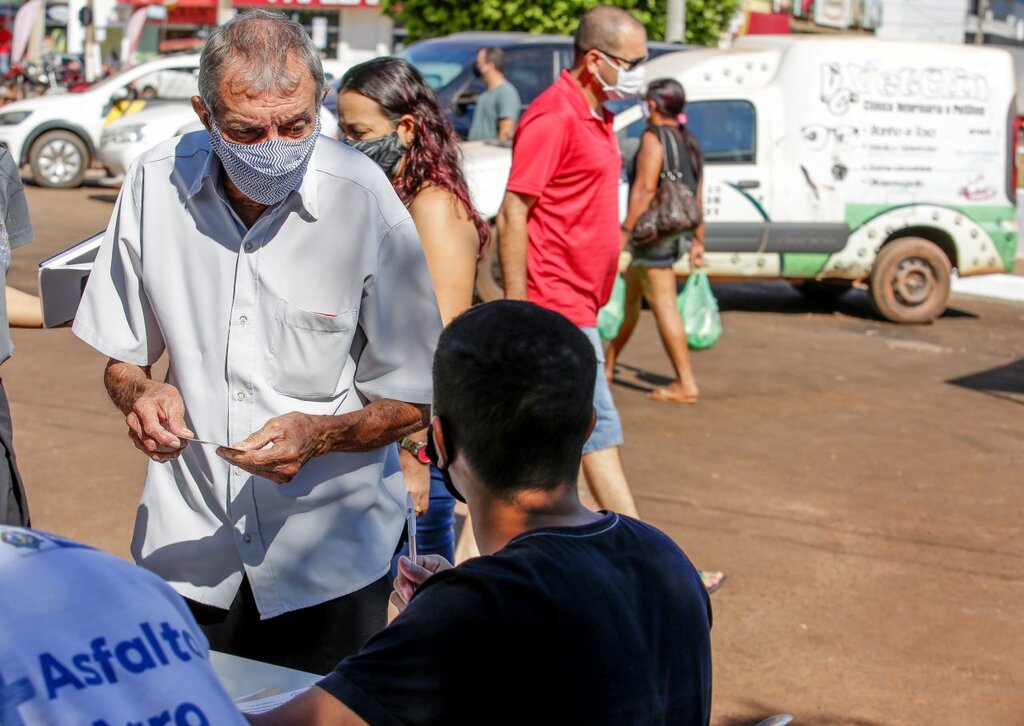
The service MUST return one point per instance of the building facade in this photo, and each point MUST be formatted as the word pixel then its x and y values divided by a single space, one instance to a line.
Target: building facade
pixel 348 31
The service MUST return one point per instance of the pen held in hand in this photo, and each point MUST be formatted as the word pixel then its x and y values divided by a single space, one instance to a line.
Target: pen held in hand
pixel 214 443
pixel 410 523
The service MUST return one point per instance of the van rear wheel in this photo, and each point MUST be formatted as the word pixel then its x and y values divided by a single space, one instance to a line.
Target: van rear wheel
pixel 910 281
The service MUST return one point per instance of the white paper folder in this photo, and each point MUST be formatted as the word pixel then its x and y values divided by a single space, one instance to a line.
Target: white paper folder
pixel 62 280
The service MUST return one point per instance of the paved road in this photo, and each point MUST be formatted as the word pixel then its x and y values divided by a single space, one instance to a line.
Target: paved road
pixel 860 482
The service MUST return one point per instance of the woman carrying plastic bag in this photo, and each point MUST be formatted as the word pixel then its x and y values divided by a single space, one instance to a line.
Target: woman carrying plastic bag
pixel 668 153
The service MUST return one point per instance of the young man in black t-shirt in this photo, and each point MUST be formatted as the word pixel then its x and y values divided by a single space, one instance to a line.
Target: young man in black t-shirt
pixel 569 616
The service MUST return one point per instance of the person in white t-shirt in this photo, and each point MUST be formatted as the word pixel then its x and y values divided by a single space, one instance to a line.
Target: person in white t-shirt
pixel 86 638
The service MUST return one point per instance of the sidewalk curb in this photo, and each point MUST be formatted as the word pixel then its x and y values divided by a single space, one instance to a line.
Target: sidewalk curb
pixel 1001 286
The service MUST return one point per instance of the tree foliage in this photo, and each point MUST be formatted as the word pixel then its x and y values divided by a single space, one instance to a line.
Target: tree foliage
pixel 705 19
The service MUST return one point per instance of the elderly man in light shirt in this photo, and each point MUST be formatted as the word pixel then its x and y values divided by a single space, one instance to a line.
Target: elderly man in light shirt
pixel 284 279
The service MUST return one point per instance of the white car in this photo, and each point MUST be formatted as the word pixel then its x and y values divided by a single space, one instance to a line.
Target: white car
pixel 60 135
pixel 131 135
pixel 334 69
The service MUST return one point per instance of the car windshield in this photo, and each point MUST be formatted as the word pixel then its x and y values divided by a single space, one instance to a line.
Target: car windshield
pixel 439 63
pixel 116 80
pixel 113 81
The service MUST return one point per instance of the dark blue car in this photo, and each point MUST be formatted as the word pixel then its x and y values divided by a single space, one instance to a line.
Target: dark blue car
pixel 532 63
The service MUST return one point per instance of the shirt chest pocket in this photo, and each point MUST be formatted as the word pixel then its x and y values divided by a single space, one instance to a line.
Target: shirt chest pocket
pixel 308 352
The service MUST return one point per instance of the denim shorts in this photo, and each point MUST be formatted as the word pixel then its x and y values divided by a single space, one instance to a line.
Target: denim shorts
pixel 661 254
pixel 607 431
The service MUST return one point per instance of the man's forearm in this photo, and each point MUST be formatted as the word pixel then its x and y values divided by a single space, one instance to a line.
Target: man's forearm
pixel 506 127
pixel 512 243
pixel 379 424
pixel 124 382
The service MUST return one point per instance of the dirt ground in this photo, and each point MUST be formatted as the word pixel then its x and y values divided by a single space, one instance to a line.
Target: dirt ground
pixel 859 482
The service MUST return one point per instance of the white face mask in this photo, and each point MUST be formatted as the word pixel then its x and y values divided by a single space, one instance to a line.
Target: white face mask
pixel 627 84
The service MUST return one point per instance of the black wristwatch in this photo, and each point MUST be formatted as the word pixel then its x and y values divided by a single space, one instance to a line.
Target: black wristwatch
pixel 417 448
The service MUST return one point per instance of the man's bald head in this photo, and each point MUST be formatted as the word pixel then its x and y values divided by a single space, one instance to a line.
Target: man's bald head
pixel 603 28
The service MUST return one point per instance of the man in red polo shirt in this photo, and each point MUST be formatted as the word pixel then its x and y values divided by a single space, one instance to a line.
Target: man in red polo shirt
pixel 559 222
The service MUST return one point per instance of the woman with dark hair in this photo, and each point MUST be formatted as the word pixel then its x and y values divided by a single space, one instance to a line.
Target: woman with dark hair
pixel 387 111
pixel 650 273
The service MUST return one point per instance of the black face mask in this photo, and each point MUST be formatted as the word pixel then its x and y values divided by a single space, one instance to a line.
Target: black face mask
pixel 387 151
pixel 445 476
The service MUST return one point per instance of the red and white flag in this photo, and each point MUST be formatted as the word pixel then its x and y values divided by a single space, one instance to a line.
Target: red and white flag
pixel 133 32
pixel 23 23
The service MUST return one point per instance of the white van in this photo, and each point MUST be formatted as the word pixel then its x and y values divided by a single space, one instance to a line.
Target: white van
pixel 835 161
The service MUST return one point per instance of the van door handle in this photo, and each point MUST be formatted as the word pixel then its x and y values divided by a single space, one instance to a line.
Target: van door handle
pixel 748 184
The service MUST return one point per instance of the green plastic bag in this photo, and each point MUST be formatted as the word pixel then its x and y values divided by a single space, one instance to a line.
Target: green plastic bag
pixel 699 310
pixel 610 317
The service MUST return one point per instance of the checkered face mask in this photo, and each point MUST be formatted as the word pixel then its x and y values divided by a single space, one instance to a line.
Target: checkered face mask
pixel 267 171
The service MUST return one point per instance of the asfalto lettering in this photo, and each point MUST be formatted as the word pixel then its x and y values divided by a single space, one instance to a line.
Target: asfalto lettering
pixel 104 663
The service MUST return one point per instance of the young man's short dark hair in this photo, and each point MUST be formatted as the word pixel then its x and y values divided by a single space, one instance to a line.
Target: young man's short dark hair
pixel 494 54
pixel 514 387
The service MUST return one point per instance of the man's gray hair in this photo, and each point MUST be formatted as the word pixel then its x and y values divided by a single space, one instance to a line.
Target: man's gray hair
pixel 257 46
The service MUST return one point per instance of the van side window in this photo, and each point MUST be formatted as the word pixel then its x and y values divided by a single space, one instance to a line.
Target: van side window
pixel 726 130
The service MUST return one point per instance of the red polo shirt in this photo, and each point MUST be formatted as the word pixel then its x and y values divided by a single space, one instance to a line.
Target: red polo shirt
pixel 569 159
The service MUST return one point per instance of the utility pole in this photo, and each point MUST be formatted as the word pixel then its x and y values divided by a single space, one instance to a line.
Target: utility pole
pixel 225 11
pixel 35 43
pixel 76 30
pixel 675 21
pixel 979 29
pixel 92 56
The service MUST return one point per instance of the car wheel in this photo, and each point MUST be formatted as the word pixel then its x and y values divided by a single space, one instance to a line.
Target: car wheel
pixel 488 272
pixel 910 281
pixel 824 292
pixel 59 159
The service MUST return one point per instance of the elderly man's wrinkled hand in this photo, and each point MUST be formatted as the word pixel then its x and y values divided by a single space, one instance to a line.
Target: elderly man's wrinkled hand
pixel 279 449
pixel 156 422
pixel 417 481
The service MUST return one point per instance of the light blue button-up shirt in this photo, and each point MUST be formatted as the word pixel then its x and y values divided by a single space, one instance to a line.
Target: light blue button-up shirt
pixel 322 306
